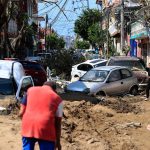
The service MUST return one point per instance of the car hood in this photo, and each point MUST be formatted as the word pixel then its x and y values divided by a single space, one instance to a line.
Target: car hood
pixel 80 86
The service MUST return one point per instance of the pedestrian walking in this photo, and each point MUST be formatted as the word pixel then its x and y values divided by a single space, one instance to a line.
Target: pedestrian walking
pixel 41 112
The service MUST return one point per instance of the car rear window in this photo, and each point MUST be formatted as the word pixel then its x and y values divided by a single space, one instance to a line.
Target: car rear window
pixel 132 64
pixel 32 66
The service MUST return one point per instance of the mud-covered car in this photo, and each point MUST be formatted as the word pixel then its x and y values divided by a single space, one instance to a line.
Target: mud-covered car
pixel 133 63
pixel 106 80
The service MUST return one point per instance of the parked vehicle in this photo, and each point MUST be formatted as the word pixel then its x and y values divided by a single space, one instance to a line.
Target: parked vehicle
pixel 14 68
pixel 135 64
pixel 80 69
pixel 34 58
pixel 35 70
pixel 90 54
pixel 11 76
pixel 106 80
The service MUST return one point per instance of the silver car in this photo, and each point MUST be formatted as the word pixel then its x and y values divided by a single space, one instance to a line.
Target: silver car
pixel 106 80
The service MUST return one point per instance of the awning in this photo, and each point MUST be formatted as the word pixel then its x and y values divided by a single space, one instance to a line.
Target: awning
pixel 113 30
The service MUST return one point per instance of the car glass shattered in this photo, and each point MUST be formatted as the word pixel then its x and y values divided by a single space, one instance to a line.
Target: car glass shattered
pixel 95 75
pixel 133 65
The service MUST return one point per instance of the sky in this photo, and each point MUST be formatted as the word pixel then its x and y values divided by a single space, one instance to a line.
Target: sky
pixel 63 23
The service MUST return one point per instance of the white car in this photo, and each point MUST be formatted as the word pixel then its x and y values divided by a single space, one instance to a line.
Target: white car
pixel 80 69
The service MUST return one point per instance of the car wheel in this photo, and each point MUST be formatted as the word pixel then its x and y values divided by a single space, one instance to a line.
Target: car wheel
pixel 101 93
pixel 134 90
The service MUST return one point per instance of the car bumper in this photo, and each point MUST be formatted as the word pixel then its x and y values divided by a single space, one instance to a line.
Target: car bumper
pixel 142 86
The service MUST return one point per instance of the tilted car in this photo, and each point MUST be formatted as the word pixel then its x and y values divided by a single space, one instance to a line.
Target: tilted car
pixel 106 80
pixel 12 76
pixel 135 64
pixel 35 70
pixel 80 69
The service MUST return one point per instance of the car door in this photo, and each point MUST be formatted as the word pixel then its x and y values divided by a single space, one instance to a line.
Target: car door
pixel 114 83
pixel 24 84
pixel 127 79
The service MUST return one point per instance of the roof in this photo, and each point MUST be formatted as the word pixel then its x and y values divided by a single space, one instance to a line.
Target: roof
pixel 124 58
pixel 108 68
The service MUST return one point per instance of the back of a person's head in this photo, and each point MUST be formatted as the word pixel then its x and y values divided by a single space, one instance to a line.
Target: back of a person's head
pixel 52 84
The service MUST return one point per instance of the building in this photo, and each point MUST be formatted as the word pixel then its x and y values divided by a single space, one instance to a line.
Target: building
pixel 14 28
pixel 112 22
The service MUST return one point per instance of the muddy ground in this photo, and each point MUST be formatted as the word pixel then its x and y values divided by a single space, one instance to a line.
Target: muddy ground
pixel 89 123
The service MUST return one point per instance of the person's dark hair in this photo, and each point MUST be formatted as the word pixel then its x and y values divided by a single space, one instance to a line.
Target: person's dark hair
pixel 52 84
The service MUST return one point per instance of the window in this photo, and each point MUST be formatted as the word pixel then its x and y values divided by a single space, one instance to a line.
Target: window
pixel 84 67
pixel 125 73
pixel 115 76
pixel 100 64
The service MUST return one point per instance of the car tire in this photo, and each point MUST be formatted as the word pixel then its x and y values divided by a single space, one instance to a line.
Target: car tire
pixel 101 93
pixel 134 90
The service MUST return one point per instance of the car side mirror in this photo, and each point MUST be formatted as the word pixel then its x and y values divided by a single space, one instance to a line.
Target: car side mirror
pixel 24 84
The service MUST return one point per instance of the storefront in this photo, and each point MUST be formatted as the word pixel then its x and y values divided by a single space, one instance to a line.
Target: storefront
pixel 139 42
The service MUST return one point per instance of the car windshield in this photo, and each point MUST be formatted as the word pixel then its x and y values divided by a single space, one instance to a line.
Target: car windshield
pixel 6 87
pixel 133 65
pixel 95 75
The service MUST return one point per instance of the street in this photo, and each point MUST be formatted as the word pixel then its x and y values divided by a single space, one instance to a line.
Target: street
pixel 88 123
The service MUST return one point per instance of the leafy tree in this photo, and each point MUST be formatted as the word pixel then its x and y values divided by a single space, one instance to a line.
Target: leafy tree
pixel 85 20
pixel 17 46
pixel 96 35
pixel 82 45
pixel 55 42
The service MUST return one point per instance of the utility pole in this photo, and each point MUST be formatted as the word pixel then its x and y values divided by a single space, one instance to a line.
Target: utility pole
pixel 88 5
pixel 108 17
pixel 122 26
pixel 46 21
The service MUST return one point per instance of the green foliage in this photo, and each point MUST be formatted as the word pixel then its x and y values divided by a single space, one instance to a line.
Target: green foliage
pixel 55 42
pixel 86 19
pixel 61 62
pixel 96 35
pixel 82 45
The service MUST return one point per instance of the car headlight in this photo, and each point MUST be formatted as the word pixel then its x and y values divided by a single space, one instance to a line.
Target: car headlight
pixel 87 90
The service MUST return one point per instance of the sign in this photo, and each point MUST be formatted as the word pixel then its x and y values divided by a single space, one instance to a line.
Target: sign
pixel 138 31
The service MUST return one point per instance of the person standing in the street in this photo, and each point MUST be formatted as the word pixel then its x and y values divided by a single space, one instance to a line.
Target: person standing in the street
pixel 100 52
pixel 41 112
pixel 147 88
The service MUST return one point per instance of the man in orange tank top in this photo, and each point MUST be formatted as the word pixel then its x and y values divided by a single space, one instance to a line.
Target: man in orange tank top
pixel 41 112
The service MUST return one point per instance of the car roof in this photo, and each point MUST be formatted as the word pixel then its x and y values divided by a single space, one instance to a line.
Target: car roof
pixel 27 62
pixel 108 68
pixel 124 58
pixel 93 61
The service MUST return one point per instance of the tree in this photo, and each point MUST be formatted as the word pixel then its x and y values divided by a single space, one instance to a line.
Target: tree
pixel 55 42
pixel 85 20
pixel 96 35
pixel 11 10
pixel 3 12
pixel 82 44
